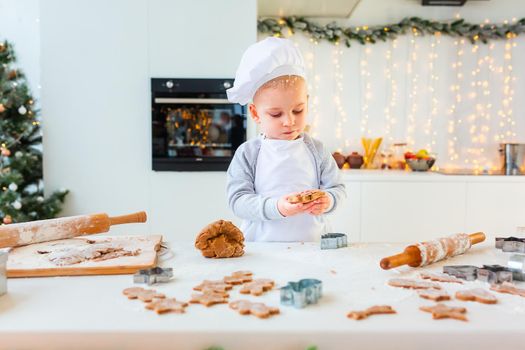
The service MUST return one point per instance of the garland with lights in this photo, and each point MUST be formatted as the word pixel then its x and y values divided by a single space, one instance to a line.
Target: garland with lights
pixel 336 34
pixel 21 186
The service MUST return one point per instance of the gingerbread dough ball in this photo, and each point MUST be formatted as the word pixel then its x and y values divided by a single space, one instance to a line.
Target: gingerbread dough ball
pixel 220 239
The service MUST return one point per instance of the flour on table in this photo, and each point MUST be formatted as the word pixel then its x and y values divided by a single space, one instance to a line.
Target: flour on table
pixel 70 254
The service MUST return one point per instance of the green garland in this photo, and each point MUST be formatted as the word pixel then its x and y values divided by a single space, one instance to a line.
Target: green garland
pixel 336 34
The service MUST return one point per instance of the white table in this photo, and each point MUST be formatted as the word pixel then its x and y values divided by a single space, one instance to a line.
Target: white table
pixel 91 312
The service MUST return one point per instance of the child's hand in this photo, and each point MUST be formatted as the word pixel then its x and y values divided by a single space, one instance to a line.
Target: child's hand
pixel 288 209
pixel 320 205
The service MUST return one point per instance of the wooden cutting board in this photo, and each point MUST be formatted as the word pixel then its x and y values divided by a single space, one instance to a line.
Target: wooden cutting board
pixel 34 260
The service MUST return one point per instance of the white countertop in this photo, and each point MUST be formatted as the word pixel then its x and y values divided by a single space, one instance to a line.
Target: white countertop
pixel 91 312
pixel 425 176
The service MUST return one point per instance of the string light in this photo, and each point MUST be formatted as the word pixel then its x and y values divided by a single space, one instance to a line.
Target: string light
pixel 391 95
pixel 313 88
pixel 507 123
pixel 337 52
pixel 413 78
pixel 366 89
pixel 452 112
pixel 432 115
pixel 483 110
pixel 476 116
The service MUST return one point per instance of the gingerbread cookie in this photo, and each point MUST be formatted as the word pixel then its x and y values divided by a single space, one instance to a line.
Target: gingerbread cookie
pixel 163 306
pixel 306 196
pixel 142 294
pixel 213 286
pixel 208 298
pixel 477 294
pixel 238 277
pixel 257 287
pixel 412 284
pixel 434 294
pixel 440 277
pixel 245 307
pixel 374 310
pixel 440 311
pixel 507 287
pixel 220 239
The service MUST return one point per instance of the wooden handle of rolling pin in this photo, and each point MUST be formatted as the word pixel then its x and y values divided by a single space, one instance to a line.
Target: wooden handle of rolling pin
pixel 15 235
pixel 412 255
pixel 128 219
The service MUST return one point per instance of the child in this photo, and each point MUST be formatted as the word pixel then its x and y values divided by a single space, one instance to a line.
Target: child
pixel 283 160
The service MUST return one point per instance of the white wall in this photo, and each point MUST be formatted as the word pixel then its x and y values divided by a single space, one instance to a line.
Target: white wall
pixel 96 61
pixel 19 24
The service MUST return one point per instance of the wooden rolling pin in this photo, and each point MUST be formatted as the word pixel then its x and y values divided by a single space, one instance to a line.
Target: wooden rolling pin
pixel 426 253
pixel 15 235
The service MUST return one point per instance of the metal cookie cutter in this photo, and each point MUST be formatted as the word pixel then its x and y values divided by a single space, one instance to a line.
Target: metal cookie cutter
pixel 516 264
pixel 333 241
pixel 494 274
pixel 299 294
pixel 466 272
pixel 3 272
pixel 153 275
pixel 511 244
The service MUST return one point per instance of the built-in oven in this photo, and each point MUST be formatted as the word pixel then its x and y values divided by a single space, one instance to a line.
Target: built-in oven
pixel 194 126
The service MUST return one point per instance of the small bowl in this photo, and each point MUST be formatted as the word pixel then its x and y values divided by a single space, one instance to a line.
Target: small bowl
pixel 420 164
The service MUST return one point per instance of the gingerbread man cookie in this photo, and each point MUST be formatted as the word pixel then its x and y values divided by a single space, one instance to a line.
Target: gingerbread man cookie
pixel 257 287
pixel 245 307
pixel 477 294
pixel 306 196
pixel 412 284
pixel 208 298
pixel 163 306
pixel 507 287
pixel 440 277
pixel 440 311
pixel 434 294
pixel 238 277
pixel 213 286
pixel 142 294
pixel 374 310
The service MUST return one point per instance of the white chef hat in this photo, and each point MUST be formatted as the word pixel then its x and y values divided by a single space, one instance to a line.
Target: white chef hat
pixel 261 62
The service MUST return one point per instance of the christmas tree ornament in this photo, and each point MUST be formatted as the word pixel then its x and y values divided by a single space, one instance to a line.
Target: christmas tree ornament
pixel 22 110
pixel 2 108
pixel 12 74
pixel 7 219
pixel 17 205
pixel 5 152
pixel 13 187
pixel 18 154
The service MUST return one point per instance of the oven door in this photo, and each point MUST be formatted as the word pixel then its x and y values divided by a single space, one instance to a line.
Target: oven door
pixel 196 134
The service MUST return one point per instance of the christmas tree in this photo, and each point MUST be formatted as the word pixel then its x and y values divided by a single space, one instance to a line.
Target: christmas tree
pixel 21 185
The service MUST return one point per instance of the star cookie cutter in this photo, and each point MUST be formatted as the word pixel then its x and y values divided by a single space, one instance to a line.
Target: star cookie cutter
pixel 495 274
pixel 516 264
pixel 466 272
pixel 333 241
pixel 511 244
pixel 153 275
pixel 3 272
pixel 302 293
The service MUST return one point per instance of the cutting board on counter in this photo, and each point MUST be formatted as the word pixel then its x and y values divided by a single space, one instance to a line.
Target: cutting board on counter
pixel 35 260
